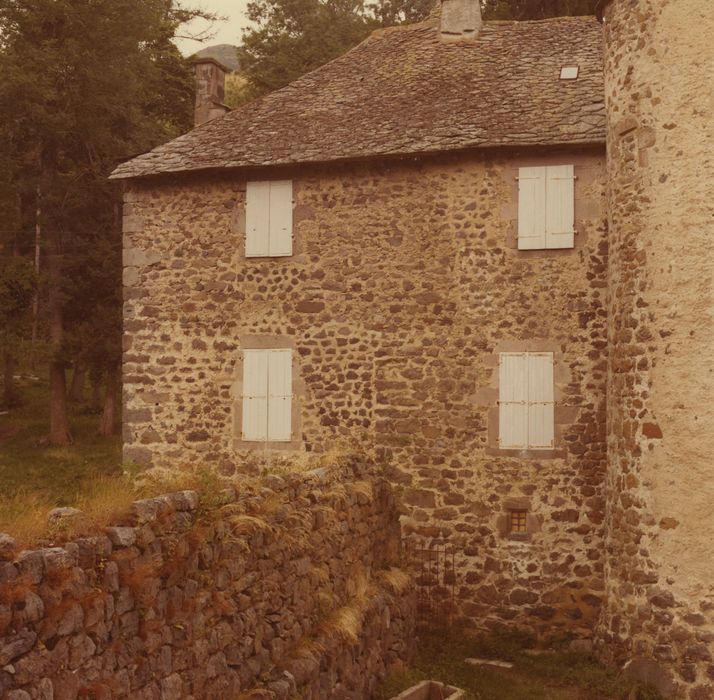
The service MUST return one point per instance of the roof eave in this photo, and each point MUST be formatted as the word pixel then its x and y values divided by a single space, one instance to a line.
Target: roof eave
pixel 590 142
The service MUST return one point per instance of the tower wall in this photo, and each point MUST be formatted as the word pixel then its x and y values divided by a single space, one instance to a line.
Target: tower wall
pixel 660 502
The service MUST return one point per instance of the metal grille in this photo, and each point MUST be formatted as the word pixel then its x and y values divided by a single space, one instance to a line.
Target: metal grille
pixel 518 521
pixel 435 576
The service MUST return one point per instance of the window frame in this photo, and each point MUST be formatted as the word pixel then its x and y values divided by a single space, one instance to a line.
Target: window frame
pixel 266 342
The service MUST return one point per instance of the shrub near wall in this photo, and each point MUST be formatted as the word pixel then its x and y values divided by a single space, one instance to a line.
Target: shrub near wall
pixel 288 587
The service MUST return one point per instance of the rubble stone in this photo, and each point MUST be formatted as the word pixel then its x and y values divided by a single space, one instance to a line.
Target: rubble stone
pixel 210 611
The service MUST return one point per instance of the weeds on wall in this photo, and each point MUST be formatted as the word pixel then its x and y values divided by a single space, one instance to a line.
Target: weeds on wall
pixel 108 500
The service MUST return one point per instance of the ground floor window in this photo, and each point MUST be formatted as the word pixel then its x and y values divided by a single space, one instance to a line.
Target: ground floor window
pixel 526 400
pixel 267 395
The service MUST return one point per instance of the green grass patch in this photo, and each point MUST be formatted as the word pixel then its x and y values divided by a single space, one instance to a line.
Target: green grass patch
pixel 557 674
pixel 55 475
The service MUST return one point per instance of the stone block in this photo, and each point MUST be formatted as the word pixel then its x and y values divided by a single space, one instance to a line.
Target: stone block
pixel 15 646
pixel 8 547
pixel 172 688
pixel 121 536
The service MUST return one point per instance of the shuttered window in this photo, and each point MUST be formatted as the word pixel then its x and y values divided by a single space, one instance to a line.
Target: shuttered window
pixel 546 207
pixel 269 218
pixel 267 395
pixel 526 400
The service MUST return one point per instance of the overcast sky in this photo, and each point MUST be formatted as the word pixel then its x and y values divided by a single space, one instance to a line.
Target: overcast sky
pixel 227 32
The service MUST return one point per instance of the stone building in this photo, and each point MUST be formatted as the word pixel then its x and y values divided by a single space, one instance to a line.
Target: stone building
pixel 408 247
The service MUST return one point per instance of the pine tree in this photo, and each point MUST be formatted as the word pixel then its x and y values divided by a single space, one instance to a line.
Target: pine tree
pixel 536 9
pixel 86 84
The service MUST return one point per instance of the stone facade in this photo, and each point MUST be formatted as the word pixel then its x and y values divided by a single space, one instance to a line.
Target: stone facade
pixel 405 285
pixel 187 601
pixel 660 521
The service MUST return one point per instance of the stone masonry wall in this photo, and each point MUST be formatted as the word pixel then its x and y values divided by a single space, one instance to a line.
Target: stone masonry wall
pixel 660 521
pixel 196 602
pixel 405 284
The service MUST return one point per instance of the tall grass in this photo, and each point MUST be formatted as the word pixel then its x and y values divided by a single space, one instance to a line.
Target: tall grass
pixel 104 500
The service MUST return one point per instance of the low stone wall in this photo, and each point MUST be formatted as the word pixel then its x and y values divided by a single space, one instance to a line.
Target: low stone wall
pixel 285 588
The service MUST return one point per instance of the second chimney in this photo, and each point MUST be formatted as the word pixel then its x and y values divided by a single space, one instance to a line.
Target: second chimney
pixel 210 90
pixel 460 20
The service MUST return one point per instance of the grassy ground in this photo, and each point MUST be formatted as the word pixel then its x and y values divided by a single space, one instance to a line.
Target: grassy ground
pixel 60 476
pixel 558 675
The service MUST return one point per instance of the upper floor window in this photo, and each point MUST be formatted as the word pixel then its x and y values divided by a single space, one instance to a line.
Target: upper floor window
pixel 526 416
pixel 269 218
pixel 546 207
pixel 267 395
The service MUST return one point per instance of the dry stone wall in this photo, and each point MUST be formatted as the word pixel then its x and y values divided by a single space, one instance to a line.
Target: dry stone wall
pixel 660 521
pixel 195 602
pixel 405 284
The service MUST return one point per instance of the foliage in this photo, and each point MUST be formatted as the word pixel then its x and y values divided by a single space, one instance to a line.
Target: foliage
pixel 554 674
pixel 18 286
pixel 18 283
pixel 536 9
pixel 292 37
pixel 86 84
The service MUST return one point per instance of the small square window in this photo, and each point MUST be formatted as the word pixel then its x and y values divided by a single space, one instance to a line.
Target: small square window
pixel 518 524
pixel 569 72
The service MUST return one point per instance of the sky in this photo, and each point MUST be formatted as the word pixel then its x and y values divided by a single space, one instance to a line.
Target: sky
pixel 227 32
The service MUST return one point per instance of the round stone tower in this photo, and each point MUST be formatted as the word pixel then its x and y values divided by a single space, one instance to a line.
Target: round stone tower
pixel 659 73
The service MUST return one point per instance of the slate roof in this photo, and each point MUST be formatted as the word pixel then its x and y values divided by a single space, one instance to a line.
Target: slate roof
pixel 403 91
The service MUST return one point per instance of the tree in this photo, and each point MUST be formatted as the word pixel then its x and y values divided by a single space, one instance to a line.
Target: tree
pixel 292 37
pixel 536 9
pixel 17 288
pixel 86 84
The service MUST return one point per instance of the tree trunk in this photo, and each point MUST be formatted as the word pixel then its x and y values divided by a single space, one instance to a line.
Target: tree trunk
pixel 11 394
pixel 96 399
pixel 36 300
pixel 79 376
pixel 11 397
pixel 109 414
pixel 59 421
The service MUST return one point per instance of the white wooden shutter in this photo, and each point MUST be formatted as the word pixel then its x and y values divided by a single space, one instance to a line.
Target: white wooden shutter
pixel 257 219
pixel 560 206
pixel 540 400
pixel 280 395
pixel 255 394
pixel 531 208
pixel 281 217
pixel 513 400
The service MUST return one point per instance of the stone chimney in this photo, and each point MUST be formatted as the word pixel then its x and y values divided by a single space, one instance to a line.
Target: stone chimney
pixel 460 20
pixel 210 90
